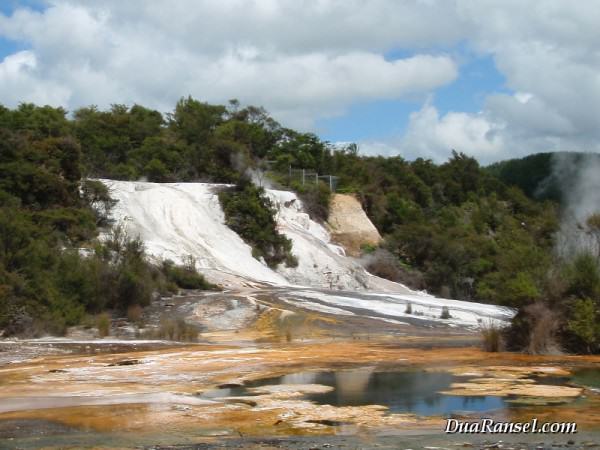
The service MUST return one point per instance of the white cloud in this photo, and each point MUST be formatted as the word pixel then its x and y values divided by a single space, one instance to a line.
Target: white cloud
pixel 434 137
pixel 548 53
pixel 291 59
pixel 19 82
pixel 305 61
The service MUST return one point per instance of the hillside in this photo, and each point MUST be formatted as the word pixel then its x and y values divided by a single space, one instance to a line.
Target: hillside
pixel 544 176
pixel 178 220
pixel 455 229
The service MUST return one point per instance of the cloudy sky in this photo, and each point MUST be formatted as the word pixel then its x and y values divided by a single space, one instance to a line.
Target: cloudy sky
pixel 491 78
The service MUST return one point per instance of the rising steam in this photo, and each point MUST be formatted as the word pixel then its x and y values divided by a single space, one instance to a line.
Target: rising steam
pixel 578 175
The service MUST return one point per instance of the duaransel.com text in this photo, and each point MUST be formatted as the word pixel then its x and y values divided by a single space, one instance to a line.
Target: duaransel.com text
pixel 491 426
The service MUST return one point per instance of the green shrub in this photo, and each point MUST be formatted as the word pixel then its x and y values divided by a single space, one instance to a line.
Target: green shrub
pixel 584 323
pixel 583 276
pixel 250 213
pixel 103 324
pixel 186 276
pixel 368 248
pixel 316 199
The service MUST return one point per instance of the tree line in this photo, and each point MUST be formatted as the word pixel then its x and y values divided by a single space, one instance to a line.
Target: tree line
pixel 456 229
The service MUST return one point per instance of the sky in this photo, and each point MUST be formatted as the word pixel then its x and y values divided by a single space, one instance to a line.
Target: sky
pixel 494 79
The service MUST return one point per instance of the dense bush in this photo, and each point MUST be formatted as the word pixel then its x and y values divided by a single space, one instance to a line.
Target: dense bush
pixel 536 175
pixel 250 213
pixel 455 228
pixel 315 199
pixel 185 276
pixel 566 316
pixel 384 264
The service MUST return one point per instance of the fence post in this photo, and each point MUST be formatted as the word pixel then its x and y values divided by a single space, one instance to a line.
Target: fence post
pixel 330 184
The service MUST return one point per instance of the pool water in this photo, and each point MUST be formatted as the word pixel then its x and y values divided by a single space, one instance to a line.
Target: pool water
pixel 588 377
pixel 407 391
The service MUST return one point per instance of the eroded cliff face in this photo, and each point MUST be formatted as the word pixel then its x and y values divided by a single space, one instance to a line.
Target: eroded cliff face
pixel 349 225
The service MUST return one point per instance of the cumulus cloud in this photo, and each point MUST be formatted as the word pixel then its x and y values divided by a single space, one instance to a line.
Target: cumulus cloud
pixel 431 136
pixel 282 55
pixel 548 54
pixel 304 62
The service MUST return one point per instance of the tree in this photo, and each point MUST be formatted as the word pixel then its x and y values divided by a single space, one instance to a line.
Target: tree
pixel 195 121
pixel 584 323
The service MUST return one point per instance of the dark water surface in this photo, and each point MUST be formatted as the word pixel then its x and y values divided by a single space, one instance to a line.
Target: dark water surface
pixel 406 391
pixel 588 377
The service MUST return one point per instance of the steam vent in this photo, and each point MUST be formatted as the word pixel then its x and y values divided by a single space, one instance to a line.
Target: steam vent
pixel 350 226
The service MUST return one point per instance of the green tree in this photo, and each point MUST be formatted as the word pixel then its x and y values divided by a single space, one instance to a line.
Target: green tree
pixel 584 323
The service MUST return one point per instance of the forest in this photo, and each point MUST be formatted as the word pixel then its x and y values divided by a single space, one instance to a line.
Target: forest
pixel 457 229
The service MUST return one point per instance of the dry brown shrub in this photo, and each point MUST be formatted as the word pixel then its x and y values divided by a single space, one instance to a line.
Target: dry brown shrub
pixel 135 313
pixel 544 326
pixel 385 265
pixel 491 337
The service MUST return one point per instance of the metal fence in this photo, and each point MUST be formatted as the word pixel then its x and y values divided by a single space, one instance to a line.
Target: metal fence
pixel 306 176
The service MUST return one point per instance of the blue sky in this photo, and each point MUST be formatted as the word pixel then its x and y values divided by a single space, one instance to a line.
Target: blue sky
pixel 7 7
pixel 377 119
pixel 414 78
pixel 385 119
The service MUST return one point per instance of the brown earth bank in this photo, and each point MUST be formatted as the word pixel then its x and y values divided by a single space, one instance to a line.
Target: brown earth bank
pixel 349 224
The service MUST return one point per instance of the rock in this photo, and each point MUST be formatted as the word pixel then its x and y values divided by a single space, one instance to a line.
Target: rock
pixel 350 225
pixel 229 385
pixel 327 422
pixel 126 362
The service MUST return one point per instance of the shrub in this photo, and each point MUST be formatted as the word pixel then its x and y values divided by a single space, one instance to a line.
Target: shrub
pixel 445 313
pixel 156 171
pixel 103 324
pixel 315 199
pixel 384 264
pixel 176 330
pixel 534 329
pixel 491 335
pixel 97 196
pixel 584 324
pixel 583 276
pixel 135 313
pixel 368 248
pixel 250 213
pixel 186 276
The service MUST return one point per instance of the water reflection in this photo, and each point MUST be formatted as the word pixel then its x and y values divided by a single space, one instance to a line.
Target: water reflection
pixel 406 391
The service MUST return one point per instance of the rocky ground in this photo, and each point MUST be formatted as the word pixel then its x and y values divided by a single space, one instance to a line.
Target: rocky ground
pixel 121 393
